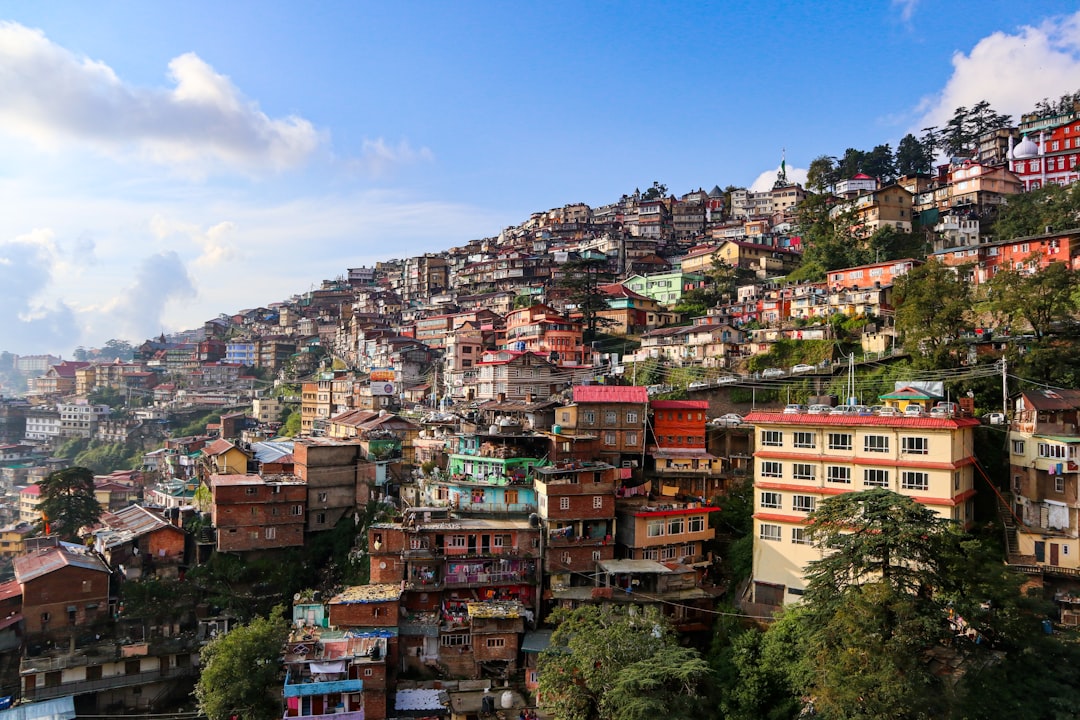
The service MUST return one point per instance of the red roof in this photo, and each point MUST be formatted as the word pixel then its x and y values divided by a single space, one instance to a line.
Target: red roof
pixel 610 394
pixel 924 422
pixel 679 404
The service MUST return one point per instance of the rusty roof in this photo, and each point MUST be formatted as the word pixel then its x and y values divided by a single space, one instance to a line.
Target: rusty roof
pixel 50 559
pixel 610 394
pixel 379 593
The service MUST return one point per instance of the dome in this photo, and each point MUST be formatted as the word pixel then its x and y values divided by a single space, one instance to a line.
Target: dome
pixel 1026 149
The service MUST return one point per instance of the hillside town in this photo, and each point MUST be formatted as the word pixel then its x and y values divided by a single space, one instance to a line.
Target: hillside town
pixel 425 460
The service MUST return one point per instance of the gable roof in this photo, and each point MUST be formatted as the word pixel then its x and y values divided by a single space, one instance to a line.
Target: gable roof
pixel 1047 400
pixel 610 394
pixel 50 559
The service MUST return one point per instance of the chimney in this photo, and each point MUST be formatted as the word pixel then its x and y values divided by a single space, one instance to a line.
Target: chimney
pixel 502 397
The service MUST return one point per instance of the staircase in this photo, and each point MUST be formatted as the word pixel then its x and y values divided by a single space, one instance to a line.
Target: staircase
pixel 1008 521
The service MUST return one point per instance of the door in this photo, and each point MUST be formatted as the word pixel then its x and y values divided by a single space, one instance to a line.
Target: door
pixel 1040 551
pixel 472 544
pixel 1054 554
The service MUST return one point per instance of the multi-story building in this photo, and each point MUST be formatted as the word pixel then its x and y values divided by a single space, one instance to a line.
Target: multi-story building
pixel 423 276
pixel 801 459
pixel 1025 255
pixel 1044 467
pixel 240 352
pixel 666 288
pixel 616 414
pixel 873 275
pixel 252 512
pixel 683 464
pixel 42 423
pixel 490 472
pixel 542 329
pixel 1053 159
pixel 315 404
pixel 516 375
pixel 338 478
pixel 890 206
pixel 79 419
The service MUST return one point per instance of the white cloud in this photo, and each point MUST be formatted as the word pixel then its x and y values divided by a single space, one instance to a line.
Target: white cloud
pixel 215 241
pixel 55 98
pixel 766 179
pixel 29 319
pixel 377 157
pixel 907 9
pixel 1010 71
pixel 136 310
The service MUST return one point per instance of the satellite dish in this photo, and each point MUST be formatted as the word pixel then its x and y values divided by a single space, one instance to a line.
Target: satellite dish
pixel 296 597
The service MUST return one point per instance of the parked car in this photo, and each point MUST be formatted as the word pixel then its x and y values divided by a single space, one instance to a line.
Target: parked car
pixel 772 373
pixel 729 419
pixel 819 409
pixel 861 410
pixel 886 410
pixel 794 409
pixel 995 418
pixel 914 410
pixel 803 368
pixel 843 410
pixel 724 380
pixel 945 409
pixel 697 385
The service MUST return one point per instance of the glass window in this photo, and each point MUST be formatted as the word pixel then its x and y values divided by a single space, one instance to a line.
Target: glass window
pixel 769 532
pixel 597 502
pixel 770 468
pixel 1017 447
pixel 772 438
pixel 803 503
pixel 839 441
pixel 676 526
pixel 838 474
pixel 802 471
pixel 915 445
pixel 805 439
pixel 697 523
pixel 799 536
pixel 610 417
pixel 876 478
pixel 770 500
pixel 631 417
pixel 564 503
pixel 1047 450
pixel 655 528
pixel 876 443
pixel 914 480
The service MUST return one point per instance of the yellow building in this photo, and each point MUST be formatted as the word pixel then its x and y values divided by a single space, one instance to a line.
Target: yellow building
pixel 802 459
pixel 12 539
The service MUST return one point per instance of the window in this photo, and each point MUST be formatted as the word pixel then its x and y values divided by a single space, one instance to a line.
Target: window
pixel 838 474
pixel 598 502
pixel 771 469
pixel 772 438
pixel 769 532
pixel 631 417
pixel 1059 484
pixel 655 528
pixel 589 417
pixel 564 503
pixel 1047 450
pixel 910 480
pixel 803 503
pixel 915 445
pixel 676 525
pixel 496 642
pixel 799 536
pixel 1017 447
pixel 297 509
pixel 876 443
pixel 668 553
pixel 457 541
pixel 631 438
pixel 875 478
pixel 456 640
pixel 250 490
pixel 802 471
pixel 805 439
pixel 609 438
pixel 650 554
pixel 271 533
pixel 320 518
pixel 770 500
pixel 839 441
pixel 322 497
pixel 696 523
pixel 610 417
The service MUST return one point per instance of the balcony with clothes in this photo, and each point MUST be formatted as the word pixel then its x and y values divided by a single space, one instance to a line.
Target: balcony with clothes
pixel 325 671
pixel 470 498
pixel 325 691
pixel 580 533
pixel 687 461
pixel 488 572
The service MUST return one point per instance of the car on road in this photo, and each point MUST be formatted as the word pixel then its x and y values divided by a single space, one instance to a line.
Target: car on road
pixel 794 409
pixel 697 385
pixel 802 368
pixel 995 418
pixel 772 373
pixel 819 409
pixel 724 380
pixel 728 420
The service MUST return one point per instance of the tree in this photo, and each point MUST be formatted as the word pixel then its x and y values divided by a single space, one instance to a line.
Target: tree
pixel 880 163
pixel 932 307
pixel 821 174
pixel 602 658
pixel 912 156
pixel 1031 213
pixel 582 280
pixel 68 503
pixel 657 192
pixel 240 672
pixel 1042 298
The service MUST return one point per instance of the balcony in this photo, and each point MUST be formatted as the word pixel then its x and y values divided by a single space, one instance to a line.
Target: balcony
pixel 83 687
pixel 457 580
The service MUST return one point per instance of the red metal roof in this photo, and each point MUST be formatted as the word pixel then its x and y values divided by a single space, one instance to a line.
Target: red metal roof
pixel 610 394
pixel 679 404
pixel 924 422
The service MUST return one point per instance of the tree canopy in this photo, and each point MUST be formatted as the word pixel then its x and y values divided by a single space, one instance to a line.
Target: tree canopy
pixel 932 309
pixel 241 672
pixel 1042 298
pixel 68 503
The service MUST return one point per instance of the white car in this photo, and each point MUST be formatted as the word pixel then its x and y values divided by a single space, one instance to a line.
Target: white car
pixel 995 418
pixel 802 368
pixel 772 373
pixel 697 385
pixel 843 410
pixel 727 379
pixel 887 411
pixel 729 419
pixel 794 409
pixel 914 410
pixel 819 409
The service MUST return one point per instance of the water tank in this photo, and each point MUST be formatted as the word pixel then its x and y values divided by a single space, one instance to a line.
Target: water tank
pixel 506 700
pixel 493 430
pixel 557 429
pixel 519 346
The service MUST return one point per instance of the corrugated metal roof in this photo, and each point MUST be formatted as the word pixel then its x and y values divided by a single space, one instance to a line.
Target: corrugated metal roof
pixel 610 394
pixel 50 559
pixel 383 592
pixel 419 699
pixel 1045 399
pixel 679 404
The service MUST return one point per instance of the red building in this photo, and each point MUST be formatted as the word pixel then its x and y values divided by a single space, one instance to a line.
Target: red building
pixel 542 329
pixel 1026 255
pixel 683 464
pixel 253 512
pixel 64 588
pixel 1052 159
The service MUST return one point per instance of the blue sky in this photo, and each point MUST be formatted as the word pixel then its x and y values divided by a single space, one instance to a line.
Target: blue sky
pixel 163 162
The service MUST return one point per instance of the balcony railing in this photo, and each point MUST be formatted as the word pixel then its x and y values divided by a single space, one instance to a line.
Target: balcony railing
pixel 486 578
pixel 82 687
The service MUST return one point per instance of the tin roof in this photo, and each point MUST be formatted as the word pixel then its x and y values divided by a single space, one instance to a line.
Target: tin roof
pixel 49 559
pixel 900 421
pixel 384 592
pixel 610 394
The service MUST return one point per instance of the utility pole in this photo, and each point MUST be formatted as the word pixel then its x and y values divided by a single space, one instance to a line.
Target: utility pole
pixel 1004 387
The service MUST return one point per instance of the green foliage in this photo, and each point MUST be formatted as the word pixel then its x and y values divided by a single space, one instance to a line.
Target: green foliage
pixel 912 156
pixel 581 279
pixel 241 672
pixel 787 352
pixel 68 503
pixel 72 447
pixel 104 458
pixel 658 191
pixel 1030 213
pixel 156 600
pixel 198 425
pixel 112 397
pixel 1042 299
pixel 291 427
pixel 961 133
pixel 603 659
pixel 933 306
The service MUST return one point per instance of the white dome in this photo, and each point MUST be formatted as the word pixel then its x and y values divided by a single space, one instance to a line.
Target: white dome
pixel 1026 149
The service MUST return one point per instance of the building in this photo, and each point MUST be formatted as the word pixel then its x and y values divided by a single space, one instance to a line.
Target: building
pixel 1053 159
pixel 64 587
pixel 517 376
pixel 802 459
pixel 890 206
pixel 666 288
pixel 542 329
pixel 682 462
pixel 252 512
pixel 616 414
pixel 137 542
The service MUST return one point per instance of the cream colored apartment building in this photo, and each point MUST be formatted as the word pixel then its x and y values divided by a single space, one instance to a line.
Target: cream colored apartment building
pixel 802 459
